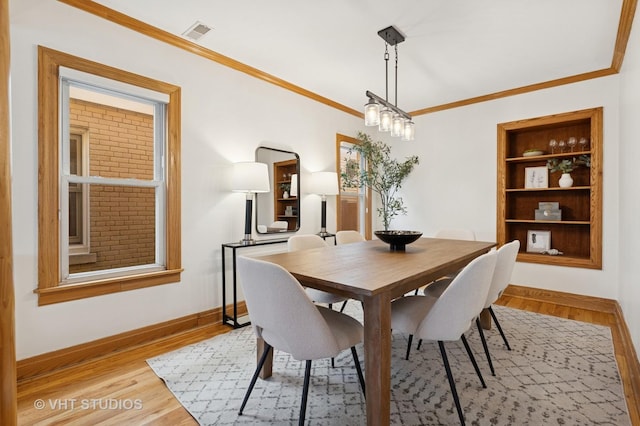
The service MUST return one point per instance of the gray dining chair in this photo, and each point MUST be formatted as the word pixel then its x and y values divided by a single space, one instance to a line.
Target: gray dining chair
pixel 448 317
pixel 348 236
pixel 286 319
pixel 310 241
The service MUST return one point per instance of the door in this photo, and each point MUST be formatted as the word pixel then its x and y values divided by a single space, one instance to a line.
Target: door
pixel 353 203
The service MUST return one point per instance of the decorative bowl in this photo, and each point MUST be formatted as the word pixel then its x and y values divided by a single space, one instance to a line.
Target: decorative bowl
pixel 397 240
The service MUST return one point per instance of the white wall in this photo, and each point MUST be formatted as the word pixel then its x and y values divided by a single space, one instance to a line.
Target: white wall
pixel 629 175
pixel 218 129
pixel 454 185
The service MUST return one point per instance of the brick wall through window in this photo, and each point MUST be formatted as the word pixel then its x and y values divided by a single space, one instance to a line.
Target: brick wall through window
pixel 122 219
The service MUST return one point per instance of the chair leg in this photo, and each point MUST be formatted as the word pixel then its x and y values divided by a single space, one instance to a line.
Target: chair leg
pixel 343 305
pixel 452 384
pixel 358 369
pixel 473 360
pixel 495 319
pixel 419 344
pixel 263 358
pixel 305 391
pixel 409 346
pixel 484 345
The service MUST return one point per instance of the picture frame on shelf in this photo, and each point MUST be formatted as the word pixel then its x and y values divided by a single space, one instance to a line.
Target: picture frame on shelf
pixel 538 241
pixel 536 177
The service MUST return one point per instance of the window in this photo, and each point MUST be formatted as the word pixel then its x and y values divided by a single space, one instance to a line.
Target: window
pixel 109 157
pixel 78 212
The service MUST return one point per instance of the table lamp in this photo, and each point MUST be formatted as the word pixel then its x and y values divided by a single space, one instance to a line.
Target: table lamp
pixel 249 177
pixel 324 183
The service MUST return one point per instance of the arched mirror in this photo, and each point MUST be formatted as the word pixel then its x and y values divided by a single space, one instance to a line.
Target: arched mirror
pixel 279 210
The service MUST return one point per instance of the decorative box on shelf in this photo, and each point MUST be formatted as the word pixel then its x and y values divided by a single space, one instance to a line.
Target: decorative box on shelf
pixel 548 211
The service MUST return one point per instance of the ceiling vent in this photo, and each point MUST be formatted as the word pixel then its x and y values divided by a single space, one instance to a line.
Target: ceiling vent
pixel 197 31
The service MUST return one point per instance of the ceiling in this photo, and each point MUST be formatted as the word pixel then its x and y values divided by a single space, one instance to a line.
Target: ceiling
pixel 454 49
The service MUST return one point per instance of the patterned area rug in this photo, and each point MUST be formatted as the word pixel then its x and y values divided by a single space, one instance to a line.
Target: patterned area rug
pixel 559 372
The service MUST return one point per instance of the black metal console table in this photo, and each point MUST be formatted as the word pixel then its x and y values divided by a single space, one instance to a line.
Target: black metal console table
pixel 233 320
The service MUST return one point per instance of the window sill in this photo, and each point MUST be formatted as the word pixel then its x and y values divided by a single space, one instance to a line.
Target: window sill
pixel 65 293
pixel 82 259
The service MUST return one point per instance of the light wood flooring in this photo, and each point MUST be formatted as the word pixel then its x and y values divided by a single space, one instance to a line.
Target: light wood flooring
pixel 131 394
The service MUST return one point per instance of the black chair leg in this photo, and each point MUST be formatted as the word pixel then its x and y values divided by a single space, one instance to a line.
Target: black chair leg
pixel 409 346
pixel 358 369
pixel 452 384
pixel 484 345
pixel 473 360
pixel 343 305
pixel 419 344
pixel 263 358
pixel 495 319
pixel 305 391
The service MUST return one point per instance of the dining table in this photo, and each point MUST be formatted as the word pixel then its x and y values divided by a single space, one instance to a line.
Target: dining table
pixel 370 272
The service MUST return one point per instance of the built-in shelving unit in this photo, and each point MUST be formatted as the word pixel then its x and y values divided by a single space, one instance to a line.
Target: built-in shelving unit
pixel 283 171
pixel 579 234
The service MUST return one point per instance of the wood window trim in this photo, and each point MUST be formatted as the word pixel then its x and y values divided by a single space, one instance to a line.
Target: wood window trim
pixel 49 289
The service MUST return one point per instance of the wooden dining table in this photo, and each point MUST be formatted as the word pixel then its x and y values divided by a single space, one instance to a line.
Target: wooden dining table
pixel 371 273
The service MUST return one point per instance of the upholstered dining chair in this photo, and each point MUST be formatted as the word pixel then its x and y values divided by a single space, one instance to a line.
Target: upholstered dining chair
pixel 451 234
pixel 309 241
pixel 346 237
pixel 287 320
pixel 448 317
pixel 505 261
pixel 437 287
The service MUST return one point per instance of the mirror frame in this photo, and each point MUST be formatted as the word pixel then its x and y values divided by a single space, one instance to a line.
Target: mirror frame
pixel 274 189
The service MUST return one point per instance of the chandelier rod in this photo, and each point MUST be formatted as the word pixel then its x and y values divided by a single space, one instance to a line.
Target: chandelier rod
pixel 396 89
pixel 386 72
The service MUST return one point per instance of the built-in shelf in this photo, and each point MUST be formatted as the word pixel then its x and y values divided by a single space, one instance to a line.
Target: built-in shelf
pixel 283 172
pixel 573 188
pixel 579 234
pixel 550 222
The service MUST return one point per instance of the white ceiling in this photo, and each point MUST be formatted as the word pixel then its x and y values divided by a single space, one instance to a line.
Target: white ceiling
pixel 454 49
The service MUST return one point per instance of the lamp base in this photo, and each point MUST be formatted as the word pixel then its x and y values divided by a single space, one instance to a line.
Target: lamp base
pixel 323 233
pixel 247 240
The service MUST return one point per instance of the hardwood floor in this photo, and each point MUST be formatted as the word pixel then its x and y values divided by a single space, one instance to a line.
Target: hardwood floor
pixel 122 389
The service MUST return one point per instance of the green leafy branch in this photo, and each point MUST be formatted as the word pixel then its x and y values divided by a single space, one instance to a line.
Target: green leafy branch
pixel 568 165
pixel 384 175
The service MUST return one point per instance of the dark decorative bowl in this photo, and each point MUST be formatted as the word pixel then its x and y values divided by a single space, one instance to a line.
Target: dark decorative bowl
pixel 397 240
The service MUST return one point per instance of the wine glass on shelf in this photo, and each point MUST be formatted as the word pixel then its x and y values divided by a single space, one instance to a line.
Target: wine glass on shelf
pixel 571 143
pixel 583 142
pixel 562 144
pixel 553 144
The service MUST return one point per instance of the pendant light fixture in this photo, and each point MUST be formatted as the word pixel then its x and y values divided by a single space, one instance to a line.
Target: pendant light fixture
pixel 380 112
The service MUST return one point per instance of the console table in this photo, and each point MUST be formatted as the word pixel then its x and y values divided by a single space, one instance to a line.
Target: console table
pixel 234 247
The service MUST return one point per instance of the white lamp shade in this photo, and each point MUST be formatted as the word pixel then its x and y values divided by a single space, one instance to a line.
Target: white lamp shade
pixel 385 120
pixel 250 176
pixel 324 183
pixel 397 125
pixel 371 113
pixel 294 185
pixel 409 131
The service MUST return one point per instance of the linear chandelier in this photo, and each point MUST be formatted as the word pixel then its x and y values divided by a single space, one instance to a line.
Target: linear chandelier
pixel 380 112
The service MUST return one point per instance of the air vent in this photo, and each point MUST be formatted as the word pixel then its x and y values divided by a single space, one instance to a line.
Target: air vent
pixel 197 31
